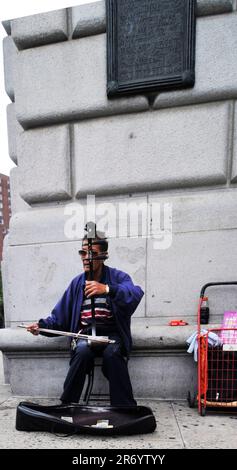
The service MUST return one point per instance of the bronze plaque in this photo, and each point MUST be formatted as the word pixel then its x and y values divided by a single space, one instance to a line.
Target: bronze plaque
pixel 150 45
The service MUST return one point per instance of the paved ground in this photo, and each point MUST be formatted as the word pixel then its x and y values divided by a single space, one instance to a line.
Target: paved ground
pixel 178 427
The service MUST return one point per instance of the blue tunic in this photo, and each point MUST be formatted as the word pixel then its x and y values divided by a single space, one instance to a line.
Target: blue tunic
pixel 124 298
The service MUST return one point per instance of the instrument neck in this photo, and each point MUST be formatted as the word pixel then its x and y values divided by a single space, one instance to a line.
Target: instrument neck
pixel 95 275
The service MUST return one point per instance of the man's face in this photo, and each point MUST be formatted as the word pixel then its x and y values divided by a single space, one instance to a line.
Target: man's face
pixel 85 257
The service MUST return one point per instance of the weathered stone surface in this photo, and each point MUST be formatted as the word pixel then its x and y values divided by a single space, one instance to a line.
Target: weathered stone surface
pixel 89 77
pixel 218 80
pixel 40 225
pixel 120 218
pixel 17 203
pixel 88 19
pixel 5 278
pixel 7 26
pixel 157 376
pixel 196 211
pixel 129 255
pixel 25 342
pixel 44 164
pixel 170 148
pixel 91 18
pixel 40 29
pixel 46 271
pixel 234 166
pixel 73 74
pixel 10 73
pixel 175 276
pixel 213 7
pixel 14 129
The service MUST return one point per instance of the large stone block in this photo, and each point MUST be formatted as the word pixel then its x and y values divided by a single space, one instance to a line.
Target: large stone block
pixel 175 276
pixel 88 19
pixel 40 225
pixel 164 376
pixel 43 28
pixel 170 148
pixel 45 272
pixel 10 73
pixel 44 164
pixel 51 373
pixel 17 203
pixel 195 211
pixel 234 166
pixel 216 64
pixel 14 130
pixel 73 74
pixel 168 376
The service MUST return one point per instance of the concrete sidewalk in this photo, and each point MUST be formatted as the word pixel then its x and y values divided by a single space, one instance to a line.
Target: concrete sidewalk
pixel 178 427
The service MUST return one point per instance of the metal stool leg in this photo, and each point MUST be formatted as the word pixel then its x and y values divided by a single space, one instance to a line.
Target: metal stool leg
pixel 89 386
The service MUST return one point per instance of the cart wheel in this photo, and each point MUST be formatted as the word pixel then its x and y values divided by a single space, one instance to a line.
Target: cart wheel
pixel 191 399
pixel 203 411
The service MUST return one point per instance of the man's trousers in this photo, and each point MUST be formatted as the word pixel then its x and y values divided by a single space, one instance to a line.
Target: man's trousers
pixel 114 368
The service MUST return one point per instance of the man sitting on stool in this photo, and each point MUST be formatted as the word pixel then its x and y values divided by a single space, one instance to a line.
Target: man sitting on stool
pixel 116 299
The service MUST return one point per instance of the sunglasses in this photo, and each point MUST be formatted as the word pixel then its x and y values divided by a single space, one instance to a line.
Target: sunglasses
pixel 84 253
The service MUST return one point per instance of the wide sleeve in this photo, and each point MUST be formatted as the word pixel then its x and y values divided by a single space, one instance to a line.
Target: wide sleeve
pixel 59 319
pixel 125 294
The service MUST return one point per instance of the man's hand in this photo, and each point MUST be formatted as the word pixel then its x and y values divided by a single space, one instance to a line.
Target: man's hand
pixel 94 287
pixel 33 328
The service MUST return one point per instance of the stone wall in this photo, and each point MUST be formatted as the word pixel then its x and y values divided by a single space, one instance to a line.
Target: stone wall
pixel 68 140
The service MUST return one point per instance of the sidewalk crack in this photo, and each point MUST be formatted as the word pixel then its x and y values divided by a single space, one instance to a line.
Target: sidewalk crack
pixel 180 432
